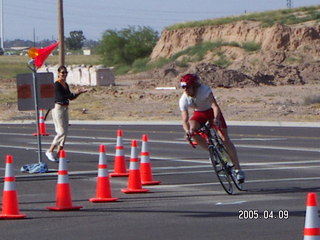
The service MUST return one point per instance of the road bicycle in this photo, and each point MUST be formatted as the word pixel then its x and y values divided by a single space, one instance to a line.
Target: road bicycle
pixel 219 158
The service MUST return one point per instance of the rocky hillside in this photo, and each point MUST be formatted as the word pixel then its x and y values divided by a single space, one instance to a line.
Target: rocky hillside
pixel 275 38
pixel 287 54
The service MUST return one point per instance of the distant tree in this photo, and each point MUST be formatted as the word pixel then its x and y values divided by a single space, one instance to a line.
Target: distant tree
pixel 91 43
pixel 125 46
pixel 1 51
pixel 75 41
pixel 18 43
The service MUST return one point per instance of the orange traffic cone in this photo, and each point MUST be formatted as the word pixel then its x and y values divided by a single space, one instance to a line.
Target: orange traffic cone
pixel 103 189
pixel 134 180
pixel 120 169
pixel 10 206
pixel 145 165
pixel 312 223
pixel 63 192
pixel 41 125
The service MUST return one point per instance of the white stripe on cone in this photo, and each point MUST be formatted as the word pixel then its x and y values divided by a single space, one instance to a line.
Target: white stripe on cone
pixel 63 176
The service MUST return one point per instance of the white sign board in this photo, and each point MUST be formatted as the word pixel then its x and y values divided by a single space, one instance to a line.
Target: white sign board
pixel 25 91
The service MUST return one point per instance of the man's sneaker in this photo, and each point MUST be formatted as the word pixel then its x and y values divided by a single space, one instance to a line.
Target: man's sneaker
pixel 240 175
pixel 51 157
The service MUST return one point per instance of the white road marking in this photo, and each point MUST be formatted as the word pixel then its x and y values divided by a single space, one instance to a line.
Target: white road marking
pixel 182 141
pixel 259 139
pixel 280 148
pixel 230 203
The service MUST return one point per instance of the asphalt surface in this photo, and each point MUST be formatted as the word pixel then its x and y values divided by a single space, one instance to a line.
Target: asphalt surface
pixel 281 165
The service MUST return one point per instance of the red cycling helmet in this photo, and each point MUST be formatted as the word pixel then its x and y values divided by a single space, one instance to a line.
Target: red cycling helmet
pixel 189 80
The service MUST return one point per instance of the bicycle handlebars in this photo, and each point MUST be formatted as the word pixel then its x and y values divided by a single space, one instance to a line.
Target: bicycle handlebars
pixel 203 131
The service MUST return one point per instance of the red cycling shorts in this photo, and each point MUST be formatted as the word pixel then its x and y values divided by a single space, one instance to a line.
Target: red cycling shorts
pixel 203 116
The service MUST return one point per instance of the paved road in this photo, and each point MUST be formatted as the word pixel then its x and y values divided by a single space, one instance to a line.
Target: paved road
pixel 281 164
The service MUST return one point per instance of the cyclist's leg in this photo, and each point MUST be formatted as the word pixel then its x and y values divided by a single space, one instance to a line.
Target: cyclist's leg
pixel 223 133
pixel 198 119
pixel 194 126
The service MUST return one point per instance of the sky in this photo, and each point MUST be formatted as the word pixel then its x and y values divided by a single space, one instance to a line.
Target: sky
pixel 24 19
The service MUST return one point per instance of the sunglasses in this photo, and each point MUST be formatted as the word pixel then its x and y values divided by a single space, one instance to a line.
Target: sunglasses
pixel 64 72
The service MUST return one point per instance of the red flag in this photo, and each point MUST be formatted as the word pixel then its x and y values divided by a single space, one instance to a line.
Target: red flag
pixel 40 55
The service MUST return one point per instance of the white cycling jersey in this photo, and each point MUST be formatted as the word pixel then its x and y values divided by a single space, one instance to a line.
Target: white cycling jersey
pixel 198 103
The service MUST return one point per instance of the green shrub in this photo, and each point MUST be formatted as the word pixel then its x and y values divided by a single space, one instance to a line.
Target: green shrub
pixel 183 63
pixel 123 69
pixel 125 46
pixel 222 61
pixel 159 63
pixel 140 64
pixel 251 46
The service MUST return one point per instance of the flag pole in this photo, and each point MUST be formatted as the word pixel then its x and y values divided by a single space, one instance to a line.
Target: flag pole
pixel 34 80
pixel 38 56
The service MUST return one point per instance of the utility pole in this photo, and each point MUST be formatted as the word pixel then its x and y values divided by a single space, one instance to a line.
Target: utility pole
pixel 34 37
pixel 289 4
pixel 61 33
pixel 1 27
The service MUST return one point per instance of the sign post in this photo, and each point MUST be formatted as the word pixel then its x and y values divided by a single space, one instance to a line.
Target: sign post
pixel 34 81
pixel 28 100
pixel 35 91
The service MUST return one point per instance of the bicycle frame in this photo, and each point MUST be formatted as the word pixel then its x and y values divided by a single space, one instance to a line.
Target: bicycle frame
pixel 209 134
pixel 219 157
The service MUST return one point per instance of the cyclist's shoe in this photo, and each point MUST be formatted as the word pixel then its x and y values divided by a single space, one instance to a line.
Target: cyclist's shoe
pixel 230 166
pixel 240 175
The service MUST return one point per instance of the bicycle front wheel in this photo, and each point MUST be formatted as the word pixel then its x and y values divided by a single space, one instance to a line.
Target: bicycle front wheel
pixel 221 170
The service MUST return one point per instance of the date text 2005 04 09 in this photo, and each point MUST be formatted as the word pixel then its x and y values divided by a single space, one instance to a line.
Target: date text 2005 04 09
pixel 252 214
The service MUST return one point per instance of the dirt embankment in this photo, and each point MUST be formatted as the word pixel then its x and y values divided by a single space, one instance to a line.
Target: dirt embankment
pixel 287 54
pixel 274 38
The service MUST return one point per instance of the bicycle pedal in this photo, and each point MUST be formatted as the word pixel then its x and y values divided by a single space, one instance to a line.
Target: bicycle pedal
pixel 241 181
pixel 230 167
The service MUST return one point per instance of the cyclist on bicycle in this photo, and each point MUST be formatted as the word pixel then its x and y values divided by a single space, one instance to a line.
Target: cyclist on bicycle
pixel 200 98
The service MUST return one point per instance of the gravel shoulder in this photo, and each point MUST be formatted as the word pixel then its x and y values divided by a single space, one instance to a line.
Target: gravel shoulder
pixel 128 102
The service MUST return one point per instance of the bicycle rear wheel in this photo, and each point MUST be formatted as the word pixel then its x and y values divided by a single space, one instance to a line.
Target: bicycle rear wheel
pixel 221 170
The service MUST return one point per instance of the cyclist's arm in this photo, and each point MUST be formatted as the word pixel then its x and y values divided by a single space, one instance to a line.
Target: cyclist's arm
pixel 185 120
pixel 216 109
